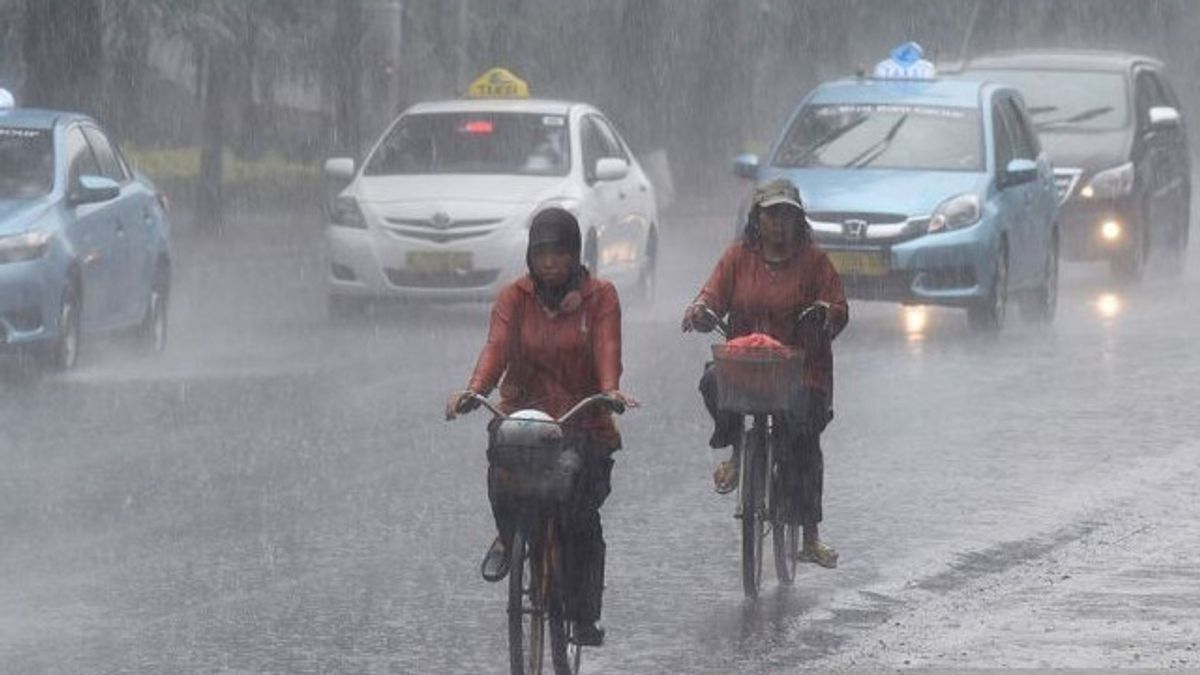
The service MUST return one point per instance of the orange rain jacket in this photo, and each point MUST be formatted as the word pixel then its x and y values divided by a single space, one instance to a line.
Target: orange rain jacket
pixel 762 298
pixel 552 360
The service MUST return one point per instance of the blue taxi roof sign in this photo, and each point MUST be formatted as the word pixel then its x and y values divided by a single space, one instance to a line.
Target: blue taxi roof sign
pixel 498 83
pixel 905 62
pixel 7 101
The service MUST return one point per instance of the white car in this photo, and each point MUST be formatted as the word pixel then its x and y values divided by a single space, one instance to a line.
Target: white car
pixel 441 207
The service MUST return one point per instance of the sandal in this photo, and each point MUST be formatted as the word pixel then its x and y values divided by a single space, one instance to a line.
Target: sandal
pixel 819 554
pixel 725 477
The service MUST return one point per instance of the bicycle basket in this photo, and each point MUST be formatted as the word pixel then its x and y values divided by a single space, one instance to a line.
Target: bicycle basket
pixel 542 468
pixel 754 380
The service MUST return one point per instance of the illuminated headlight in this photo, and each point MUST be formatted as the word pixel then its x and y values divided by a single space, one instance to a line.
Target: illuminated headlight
pixel 22 247
pixel 1110 230
pixel 347 213
pixel 961 211
pixel 1110 183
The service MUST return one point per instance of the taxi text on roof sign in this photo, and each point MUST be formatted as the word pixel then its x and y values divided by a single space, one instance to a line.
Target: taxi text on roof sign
pixel 905 63
pixel 498 83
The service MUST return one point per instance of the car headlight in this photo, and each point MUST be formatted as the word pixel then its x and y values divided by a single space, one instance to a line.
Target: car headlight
pixel 959 211
pixel 22 247
pixel 347 213
pixel 1110 183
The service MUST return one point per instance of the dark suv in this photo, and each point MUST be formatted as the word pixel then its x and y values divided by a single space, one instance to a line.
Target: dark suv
pixel 1115 133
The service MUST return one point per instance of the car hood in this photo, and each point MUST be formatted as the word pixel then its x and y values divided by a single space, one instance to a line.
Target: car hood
pixel 17 215
pixel 913 193
pixel 1090 151
pixel 457 188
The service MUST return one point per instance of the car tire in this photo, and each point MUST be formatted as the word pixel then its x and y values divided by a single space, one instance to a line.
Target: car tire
pixel 1040 305
pixel 987 315
pixel 151 338
pixel 62 354
pixel 343 307
pixel 647 287
pixel 1130 265
pixel 1175 253
pixel 591 255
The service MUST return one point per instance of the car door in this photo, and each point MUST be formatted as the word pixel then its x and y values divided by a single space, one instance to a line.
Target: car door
pixel 1011 206
pixel 130 277
pixel 601 199
pixel 1039 195
pixel 91 229
pixel 631 223
pixel 1152 156
pixel 1169 153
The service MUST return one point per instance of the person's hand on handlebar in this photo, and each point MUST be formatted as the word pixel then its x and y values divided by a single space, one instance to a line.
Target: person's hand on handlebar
pixel 815 316
pixel 460 403
pixel 699 317
pixel 621 401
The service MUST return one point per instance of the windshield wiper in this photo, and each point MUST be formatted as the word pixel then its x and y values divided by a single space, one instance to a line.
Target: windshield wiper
pixel 1080 117
pixel 1041 109
pixel 824 141
pixel 878 148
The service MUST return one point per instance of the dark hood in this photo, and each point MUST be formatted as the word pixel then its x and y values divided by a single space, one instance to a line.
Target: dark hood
pixel 1090 151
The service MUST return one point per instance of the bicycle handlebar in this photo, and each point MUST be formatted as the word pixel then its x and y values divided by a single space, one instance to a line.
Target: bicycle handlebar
pixel 614 405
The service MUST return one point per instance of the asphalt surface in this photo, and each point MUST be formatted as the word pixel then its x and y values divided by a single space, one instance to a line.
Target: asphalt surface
pixel 279 493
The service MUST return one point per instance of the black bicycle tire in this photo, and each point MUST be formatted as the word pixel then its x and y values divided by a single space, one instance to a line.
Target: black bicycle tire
pixel 521 663
pixel 565 655
pixel 785 532
pixel 752 513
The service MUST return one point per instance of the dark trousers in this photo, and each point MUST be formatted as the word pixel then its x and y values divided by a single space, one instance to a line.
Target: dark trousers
pixel 582 533
pixel 800 429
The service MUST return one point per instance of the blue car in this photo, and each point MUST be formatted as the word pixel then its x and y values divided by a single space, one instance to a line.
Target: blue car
pixel 83 239
pixel 925 191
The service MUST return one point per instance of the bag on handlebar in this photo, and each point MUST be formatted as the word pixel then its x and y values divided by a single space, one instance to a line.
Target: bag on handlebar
pixel 541 470
pixel 754 378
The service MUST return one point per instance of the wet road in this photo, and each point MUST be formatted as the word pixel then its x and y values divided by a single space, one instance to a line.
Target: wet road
pixel 279 494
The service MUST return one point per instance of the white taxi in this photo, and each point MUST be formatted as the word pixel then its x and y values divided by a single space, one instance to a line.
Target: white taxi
pixel 441 206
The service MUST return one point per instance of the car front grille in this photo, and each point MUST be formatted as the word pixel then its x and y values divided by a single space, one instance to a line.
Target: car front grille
pixel 442 231
pixel 405 278
pixel 846 228
pixel 1065 181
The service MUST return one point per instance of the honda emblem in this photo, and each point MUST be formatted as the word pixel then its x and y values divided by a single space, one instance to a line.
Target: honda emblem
pixel 855 229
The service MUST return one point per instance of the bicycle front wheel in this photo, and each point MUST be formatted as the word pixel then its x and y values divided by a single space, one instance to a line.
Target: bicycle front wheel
pixel 526 607
pixel 753 516
pixel 785 532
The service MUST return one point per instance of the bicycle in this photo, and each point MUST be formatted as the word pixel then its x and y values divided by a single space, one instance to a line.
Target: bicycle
pixel 540 468
pixel 758 383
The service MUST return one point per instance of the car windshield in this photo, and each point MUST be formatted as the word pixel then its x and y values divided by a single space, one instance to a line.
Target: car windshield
pixel 1069 100
pixel 26 163
pixel 883 136
pixel 488 143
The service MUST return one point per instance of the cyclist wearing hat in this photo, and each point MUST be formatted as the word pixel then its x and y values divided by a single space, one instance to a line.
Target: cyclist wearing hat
pixel 555 339
pixel 762 283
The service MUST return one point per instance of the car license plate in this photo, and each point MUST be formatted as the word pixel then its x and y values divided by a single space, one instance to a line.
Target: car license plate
pixel 859 263
pixel 438 262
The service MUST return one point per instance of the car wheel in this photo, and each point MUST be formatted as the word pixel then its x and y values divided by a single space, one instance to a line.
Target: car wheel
pixel 1130 264
pixel 152 332
pixel 346 306
pixel 987 315
pixel 1040 305
pixel 1175 253
pixel 63 353
pixel 591 255
pixel 647 288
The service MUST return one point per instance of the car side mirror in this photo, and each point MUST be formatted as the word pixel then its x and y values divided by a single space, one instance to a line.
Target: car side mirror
pixel 1163 117
pixel 91 189
pixel 340 167
pixel 611 168
pixel 1020 171
pixel 746 166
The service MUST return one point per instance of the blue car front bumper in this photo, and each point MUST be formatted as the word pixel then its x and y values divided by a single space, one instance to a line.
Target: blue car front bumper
pixel 25 303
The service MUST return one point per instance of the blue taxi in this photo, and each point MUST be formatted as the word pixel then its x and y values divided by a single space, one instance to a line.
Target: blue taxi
pixel 925 191
pixel 83 238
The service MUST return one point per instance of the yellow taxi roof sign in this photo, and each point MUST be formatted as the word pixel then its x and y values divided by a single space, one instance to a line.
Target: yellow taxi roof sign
pixel 498 83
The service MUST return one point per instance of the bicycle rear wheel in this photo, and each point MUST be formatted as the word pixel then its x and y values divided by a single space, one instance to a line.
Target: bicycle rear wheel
pixel 564 652
pixel 785 532
pixel 526 621
pixel 753 516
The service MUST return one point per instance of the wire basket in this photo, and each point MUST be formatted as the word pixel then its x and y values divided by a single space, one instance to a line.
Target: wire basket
pixel 755 380
pixel 540 474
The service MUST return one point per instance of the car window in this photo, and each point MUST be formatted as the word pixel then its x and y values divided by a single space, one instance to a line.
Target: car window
pixel 612 144
pixel 110 166
pixel 1148 95
pixel 592 144
pixel 1023 142
pixel 883 136
pixel 1067 100
pixel 26 162
pixel 1002 138
pixel 532 144
pixel 80 160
